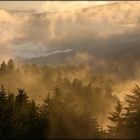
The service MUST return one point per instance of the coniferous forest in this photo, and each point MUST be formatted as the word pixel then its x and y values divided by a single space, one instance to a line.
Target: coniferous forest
pixel 71 110
pixel 69 70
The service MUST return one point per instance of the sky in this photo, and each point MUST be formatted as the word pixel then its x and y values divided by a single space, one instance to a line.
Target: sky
pixel 27 35
pixel 108 36
pixel 51 6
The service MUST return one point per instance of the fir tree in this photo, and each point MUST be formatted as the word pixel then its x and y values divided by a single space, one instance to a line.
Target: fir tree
pixel 22 97
pixel 3 67
pixel 117 119
pixel 10 65
pixel 132 115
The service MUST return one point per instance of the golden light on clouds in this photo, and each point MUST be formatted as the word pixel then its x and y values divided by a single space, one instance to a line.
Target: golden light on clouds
pixel 57 6
pixel 102 35
pixel 51 6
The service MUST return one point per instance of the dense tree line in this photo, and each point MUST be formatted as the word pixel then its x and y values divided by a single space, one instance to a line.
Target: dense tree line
pixel 57 117
pixel 74 80
pixel 19 117
pixel 70 110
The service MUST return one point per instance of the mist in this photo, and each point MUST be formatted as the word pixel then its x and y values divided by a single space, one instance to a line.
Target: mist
pixel 93 50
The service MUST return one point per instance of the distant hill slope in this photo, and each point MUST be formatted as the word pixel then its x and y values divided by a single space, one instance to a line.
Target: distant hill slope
pixel 53 59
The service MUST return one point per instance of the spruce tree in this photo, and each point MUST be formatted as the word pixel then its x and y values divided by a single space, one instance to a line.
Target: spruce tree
pixel 115 130
pixel 132 115
pixel 10 65
pixel 3 67
pixel 22 97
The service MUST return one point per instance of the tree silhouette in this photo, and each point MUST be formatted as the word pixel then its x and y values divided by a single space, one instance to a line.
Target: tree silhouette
pixel 117 119
pixel 132 116
pixel 21 98
pixel 127 123
pixel 3 67
pixel 65 121
pixel 10 65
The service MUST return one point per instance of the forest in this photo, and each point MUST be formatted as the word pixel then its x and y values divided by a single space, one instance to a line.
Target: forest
pixel 63 101
pixel 69 70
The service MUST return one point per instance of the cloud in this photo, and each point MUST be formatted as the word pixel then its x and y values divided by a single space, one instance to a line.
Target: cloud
pixel 57 6
pixel 59 51
pixel 105 37
pixel 99 30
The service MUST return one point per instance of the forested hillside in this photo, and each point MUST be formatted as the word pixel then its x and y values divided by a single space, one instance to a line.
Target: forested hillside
pixel 71 105
pixel 69 70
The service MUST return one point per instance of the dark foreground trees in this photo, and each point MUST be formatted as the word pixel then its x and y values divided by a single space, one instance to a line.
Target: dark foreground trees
pixel 127 119
pixel 21 118
pixel 63 116
pixel 65 121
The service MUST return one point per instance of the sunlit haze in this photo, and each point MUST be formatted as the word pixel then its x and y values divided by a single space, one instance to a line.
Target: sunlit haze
pixel 50 6
pixel 65 65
